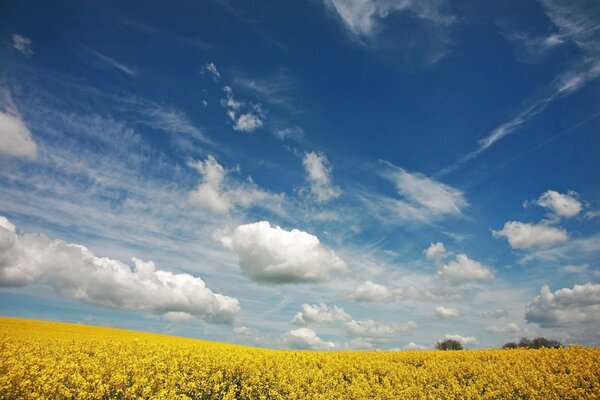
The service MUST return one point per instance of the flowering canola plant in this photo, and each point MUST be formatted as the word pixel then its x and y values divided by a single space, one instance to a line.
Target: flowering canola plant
pixel 51 360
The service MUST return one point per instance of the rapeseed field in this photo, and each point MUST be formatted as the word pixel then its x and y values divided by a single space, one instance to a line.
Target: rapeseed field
pixel 50 360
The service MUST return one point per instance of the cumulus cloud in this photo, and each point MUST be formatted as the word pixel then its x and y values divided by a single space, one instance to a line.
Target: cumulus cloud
pixel 377 330
pixel 463 339
pixel 560 205
pixel 274 255
pixel 245 331
pixel 423 199
pixel 464 270
pixel 509 328
pixel 370 291
pixel 580 304
pixel 320 314
pixel 211 69
pixel 414 346
pixel 435 252
pixel 318 172
pixel 22 44
pixel 74 271
pixel 362 17
pixel 15 138
pixel 220 195
pixel 522 235
pixel 246 121
pixel 304 339
pixel 446 312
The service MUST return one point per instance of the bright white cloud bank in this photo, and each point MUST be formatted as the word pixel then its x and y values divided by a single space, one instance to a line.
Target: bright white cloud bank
pixel 320 314
pixel 219 194
pixel 318 171
pixel 274 255
pixel 580 304
pixel 74 271
pixel 523 235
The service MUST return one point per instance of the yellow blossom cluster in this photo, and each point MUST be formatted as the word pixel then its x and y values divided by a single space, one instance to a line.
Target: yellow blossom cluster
pixel 49 360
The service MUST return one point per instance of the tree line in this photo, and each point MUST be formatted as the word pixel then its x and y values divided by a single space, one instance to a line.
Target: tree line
pixel 524 343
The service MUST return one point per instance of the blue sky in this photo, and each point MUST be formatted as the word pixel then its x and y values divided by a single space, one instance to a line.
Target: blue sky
pixel 317 174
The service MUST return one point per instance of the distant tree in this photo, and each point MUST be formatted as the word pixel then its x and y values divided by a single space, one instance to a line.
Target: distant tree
pixel 541 342
pixel 525 343
pixel 448 344
pixel 537 343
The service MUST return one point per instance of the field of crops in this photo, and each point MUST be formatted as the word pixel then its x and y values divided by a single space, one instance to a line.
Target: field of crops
pixel 56 360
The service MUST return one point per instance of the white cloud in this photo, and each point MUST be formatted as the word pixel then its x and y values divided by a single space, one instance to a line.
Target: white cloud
pixel 576 24
pixel 464 270
pixel 220 195
pixel 414 346
pixel 320 314
pixel 575 269
pixel 497 313
pixel 178 317
pixel 370 291
pixel 560 205
pixel 305 339
pixel 245 331
pixel 591 214
pixel 74 271
pixel 362 17
pixel 211 68
pixel 22 44
pixel 274 255
pixel 435 252
pixel 15 138
pixel 296 133
pixel 377 330
pixel 523 235
pixel 463 339
pixel 423 199
pixel 247 122
pixel 509 328
pixel 580 304
pixel 112 62
pixel 318 170
pixel 446 312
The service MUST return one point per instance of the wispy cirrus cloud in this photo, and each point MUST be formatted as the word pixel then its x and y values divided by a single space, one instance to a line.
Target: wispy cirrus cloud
pixel 362 18
pixel 422 199
pixel 15 137
pixel 112 62
pixel 576 24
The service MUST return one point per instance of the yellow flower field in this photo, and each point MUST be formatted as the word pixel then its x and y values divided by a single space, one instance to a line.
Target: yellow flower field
pixel 67 361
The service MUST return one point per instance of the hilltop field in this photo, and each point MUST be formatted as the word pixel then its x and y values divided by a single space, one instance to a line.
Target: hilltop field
pixel 40 359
